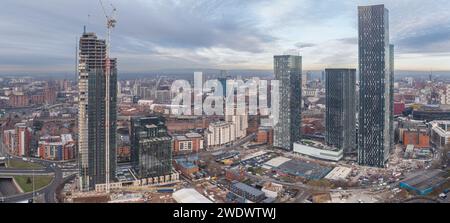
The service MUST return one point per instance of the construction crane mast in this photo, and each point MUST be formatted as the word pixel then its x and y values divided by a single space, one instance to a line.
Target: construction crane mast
pixel 110 24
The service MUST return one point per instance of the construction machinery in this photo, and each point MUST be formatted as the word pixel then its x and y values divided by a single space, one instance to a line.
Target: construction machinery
pixel 110 24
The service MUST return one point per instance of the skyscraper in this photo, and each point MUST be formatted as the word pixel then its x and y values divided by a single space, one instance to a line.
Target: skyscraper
pixel 391 96
pixel 340 100
pixel 92 112
pixel 151 147
pixel 374 141
pixel 288 71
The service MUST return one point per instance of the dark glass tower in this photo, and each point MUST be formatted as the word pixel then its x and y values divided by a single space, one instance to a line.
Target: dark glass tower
pixel 391 96
pixel 340 99
pixel 151 147
pixel 288 71
pixel 374 140
pixel 92 112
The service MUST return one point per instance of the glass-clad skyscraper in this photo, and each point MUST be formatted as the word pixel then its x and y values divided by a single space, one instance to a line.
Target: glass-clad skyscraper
pixel 92 113
pixel 340 122
pixel 288 71
pixel 151 147
pixel 375 120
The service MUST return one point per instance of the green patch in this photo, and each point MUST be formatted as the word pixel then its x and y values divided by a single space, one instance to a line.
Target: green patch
pixel 26 182
pixel 19 164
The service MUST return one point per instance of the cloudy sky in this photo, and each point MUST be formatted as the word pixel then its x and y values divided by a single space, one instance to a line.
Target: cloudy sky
pixel 39 36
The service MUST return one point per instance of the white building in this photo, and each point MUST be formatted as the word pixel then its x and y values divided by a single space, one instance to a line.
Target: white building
pixel 189 195
pixel 440 132
pixel 445 95
pixel 339 173
pixel 319 151
pixel 221 133
pixel 272 189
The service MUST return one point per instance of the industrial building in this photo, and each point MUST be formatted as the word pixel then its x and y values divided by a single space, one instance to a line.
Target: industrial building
pixel 424 182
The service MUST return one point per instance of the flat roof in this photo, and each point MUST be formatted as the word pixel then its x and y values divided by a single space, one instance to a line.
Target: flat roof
pixel 304 169
pixel 277 161
pixel 189 195
pixel 425 179
pixel 249 189
pixel 338 173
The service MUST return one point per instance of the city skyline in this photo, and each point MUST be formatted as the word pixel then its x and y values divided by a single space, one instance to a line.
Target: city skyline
pixel 216 34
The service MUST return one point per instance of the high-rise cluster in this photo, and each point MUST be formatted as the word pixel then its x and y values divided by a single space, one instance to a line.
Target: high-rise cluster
pixel 374 139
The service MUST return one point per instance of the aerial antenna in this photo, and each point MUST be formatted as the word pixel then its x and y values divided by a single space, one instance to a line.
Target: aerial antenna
pixel 110 24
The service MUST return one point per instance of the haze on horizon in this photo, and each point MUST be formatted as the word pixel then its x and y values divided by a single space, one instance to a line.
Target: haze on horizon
pixel 40 36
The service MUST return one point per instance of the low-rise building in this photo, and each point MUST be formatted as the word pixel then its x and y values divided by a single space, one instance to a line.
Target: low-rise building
pixel 264 135
pixel 272 190
pixel 440 133
pixel 318 150
pixel 247 192
pixel 417 137
pixel 235 174
pixel 57 147
pixel 187 143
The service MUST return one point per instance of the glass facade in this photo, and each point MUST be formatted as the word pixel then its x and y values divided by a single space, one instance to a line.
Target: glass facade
pixel 374 141
pixel 151 147
pixel 92 112
pixel 288 71
pixel 340 103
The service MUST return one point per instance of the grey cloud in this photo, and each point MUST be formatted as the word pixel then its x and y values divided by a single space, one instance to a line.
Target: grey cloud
pixel 301 45
pixel 350 40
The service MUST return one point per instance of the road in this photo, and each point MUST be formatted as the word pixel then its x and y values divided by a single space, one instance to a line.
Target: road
pixel 49 191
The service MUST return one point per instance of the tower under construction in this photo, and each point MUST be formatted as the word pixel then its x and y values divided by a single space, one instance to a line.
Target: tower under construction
pixel 95 162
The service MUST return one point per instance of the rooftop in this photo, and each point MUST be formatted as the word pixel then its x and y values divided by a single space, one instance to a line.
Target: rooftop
pixel 189 195
pixel 249 189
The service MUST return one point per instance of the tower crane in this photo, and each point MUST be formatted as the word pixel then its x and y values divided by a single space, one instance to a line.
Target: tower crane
pixel 110 24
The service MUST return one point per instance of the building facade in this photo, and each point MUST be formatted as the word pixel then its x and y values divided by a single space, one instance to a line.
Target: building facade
pixel 151 147
pixel 23 140
pixel 224 132
pixel 92 115
pixel 187 143
pixel 56 147
pixel 375 117
pixel 288 71
pixel 340 121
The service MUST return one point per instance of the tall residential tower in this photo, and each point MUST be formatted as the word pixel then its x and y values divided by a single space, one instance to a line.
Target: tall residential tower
pixel 92 112
pixel 288 71
pixel 340 116
pixel 375 76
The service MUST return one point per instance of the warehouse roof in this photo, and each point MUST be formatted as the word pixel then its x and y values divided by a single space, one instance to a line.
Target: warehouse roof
pixel 189 195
